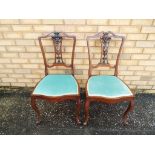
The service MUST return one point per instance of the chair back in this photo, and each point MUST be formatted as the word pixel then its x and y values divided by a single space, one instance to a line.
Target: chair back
pixel 105 39
pixel 57 39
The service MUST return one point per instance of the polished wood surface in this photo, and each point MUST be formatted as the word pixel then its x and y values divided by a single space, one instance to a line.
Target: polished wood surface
pixel 105 37
pixel 57 38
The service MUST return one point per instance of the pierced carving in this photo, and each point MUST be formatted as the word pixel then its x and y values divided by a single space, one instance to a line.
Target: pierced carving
pixel 105 40
pixel 57 41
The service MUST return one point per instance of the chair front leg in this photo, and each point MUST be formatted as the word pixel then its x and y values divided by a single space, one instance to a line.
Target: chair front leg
pixel 87 104
pixel 78 107
pixel 129 109
pixel 35 108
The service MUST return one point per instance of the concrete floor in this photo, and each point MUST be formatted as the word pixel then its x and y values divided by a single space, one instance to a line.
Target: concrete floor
pixel 17 117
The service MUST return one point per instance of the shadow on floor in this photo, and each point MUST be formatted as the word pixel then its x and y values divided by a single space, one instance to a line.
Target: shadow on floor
pixel 17 117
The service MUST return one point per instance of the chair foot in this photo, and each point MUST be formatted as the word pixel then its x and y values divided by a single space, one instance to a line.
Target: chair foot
pixel 129 109
pixel 78 121
pixel 35 108
pixel 38 122
pixel 87 104
pixel 78 107
pixel 85 123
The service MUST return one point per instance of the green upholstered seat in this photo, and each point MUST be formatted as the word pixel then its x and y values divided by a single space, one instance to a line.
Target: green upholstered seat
pixel 57 85
pixel 107 86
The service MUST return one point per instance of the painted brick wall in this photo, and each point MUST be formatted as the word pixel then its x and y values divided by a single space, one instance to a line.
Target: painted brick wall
pixel 21 59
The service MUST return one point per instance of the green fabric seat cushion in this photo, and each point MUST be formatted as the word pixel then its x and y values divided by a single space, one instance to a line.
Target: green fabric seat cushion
pixel 57 85
pixel 107 86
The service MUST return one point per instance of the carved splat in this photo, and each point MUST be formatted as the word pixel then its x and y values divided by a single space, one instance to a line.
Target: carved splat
pixel 57 41
pixel 105 40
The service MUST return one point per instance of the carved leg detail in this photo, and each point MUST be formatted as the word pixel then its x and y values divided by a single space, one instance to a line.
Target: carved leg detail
pixel 78 107
pixel 86 112
pixel 35 108
pixel 129 109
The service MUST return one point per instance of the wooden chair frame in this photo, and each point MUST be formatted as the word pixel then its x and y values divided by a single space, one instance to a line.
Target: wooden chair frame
pixel 57 38
pixel 105 38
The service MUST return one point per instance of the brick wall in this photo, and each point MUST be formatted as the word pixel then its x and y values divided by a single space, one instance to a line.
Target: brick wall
pixel 21 59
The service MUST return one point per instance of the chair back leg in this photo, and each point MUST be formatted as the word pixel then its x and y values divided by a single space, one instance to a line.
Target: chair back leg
pixel 87 104
pixel 78 107
pixel 36 109
pixel 129 109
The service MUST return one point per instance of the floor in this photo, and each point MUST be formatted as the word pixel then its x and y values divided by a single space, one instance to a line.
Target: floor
pixel 17 117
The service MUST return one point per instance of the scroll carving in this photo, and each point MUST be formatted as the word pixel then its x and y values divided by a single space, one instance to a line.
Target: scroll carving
pixel 57 41
pixel 105 40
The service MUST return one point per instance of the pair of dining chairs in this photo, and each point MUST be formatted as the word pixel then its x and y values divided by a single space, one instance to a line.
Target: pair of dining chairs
pixel 103 88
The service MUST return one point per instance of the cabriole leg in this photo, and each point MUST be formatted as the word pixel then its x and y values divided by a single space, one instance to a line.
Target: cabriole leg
pixel 35 108
pixel 129 109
